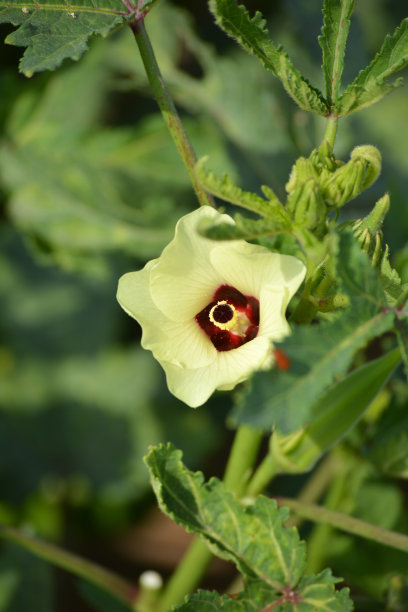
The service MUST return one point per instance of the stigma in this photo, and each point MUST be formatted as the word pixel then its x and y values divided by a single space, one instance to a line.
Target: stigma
pixel 223 315
pixel 231 319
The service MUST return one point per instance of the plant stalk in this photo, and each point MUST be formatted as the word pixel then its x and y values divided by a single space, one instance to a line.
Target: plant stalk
pixel 108 581
pixel 186 576
pixel 262 477
pixel 347 523
pixel 241 460
pixel 167 108
pixel 316 485
pixel 331 130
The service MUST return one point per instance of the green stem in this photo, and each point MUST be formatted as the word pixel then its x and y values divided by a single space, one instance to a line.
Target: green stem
pixel 316 485
pixel 108 581
pixel 168 110
pixel 190 571
pixel 262 477
pixel 150 587
pixel 187 575
pixel 242 458
pixel 322 532
pixel 331 130
pixel 347 523
pixel 305 309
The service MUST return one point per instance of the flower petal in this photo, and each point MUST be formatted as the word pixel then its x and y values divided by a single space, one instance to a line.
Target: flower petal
pixel 184 280
pixel 181 343
pixel 250 267
pixel 194 386
pixel 272 322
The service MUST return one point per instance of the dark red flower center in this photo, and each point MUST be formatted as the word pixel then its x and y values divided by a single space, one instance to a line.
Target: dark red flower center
pixel 231 318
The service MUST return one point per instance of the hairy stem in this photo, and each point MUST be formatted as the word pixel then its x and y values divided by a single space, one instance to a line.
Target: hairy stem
pixel 347 523
pixel 108 581
pixel 195 562
pixel 168 110
pixel 331 130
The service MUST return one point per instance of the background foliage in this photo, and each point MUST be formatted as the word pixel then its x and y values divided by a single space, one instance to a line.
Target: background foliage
pixel 91 187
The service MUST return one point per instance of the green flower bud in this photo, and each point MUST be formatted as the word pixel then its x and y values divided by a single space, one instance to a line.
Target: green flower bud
pixel 307 206
pixel 368 233
pixel 353 177
pixel 302 171
pixel 323 159
pixel 375 219
pixel 368 230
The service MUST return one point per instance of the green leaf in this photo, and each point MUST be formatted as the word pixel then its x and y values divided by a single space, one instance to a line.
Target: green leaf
pixel 333 40
pixel 372 83
pixel 318 593
pixel 270 556
pixel 244 229
pixel 253 36
pixel 390 279
pixel 255 596
pixel 74 227
pixel 252 536
pixel 315 593
pixel 79 192
pixel 319 353
pixel 227 190
pixel 53 31
pixel 334 415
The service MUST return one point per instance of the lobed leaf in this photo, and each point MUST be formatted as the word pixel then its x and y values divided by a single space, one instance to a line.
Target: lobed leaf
pixel 390 279
pixel 252 536
pixel 270 555
pixel 333 40
pixel 255 596
pixel 53 30
pixel 372 83
pixel 315 593
pixel 252 35
pixel 244 229
pixel 319 353
pixel 227 190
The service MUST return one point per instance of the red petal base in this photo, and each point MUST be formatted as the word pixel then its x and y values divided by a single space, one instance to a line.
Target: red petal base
pixel 222 339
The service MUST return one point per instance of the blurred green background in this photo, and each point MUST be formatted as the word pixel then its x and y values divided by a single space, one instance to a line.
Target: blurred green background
pixel 91 187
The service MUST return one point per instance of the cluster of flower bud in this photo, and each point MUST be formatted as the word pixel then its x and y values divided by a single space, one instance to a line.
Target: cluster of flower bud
pixel 321 183
pixel 350 179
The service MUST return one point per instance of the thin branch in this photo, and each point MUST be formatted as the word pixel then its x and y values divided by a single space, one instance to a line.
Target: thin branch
pixel 106 580
pixel 346 523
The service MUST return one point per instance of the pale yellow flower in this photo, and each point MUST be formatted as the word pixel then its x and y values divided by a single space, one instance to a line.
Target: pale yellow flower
pixel 209 311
